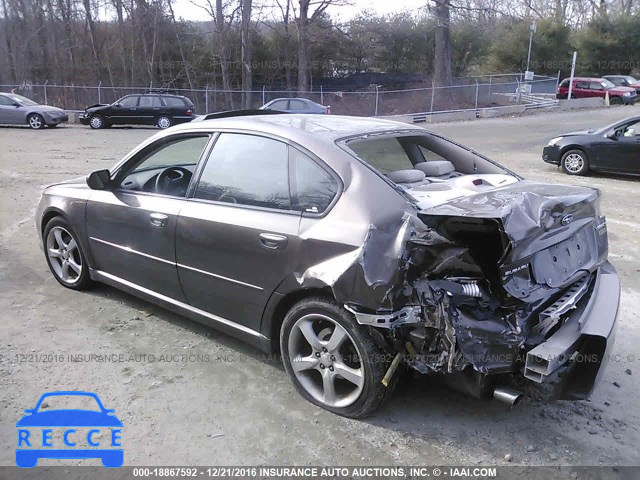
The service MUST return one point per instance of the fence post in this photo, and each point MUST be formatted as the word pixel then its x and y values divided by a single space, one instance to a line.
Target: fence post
pixel 377 98
pixel 100 92
pixel 477 88
pixel 558 81
pixel 321 96
pixel 490 78
pixel 433 93
pixel 206 99
pixel 45 92
pixel 264 96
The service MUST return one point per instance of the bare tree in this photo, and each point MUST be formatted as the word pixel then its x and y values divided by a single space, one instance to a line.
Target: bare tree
pixel 246 52
pixel 442 74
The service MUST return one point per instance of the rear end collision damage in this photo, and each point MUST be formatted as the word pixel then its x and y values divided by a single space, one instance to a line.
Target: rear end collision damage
pixel 494 293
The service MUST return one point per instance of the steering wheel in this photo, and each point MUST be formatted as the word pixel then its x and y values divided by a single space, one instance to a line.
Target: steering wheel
pixel 173 181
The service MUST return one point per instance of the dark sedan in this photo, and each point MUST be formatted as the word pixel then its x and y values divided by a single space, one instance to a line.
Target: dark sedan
pixel 353 246
pixel 611 149
pixel 161 110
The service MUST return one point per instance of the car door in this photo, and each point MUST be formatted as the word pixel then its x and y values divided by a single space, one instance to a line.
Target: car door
pixel 280 105
pixel 125 111
pixel 131 226
pixel 148 109
pixel 10 112
pixel 298 106
pixel 617 151
pixel 238 237
pixel 581 89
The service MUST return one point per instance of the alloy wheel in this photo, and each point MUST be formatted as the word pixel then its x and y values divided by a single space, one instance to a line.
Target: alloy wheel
pixel 326 360
pixel 64 256
pixel 95 122
pixel 35 121
pixel 574 162
pixel 164 122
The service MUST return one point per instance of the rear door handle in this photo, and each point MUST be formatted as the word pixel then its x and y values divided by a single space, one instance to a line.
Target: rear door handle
pixel 272 241
pixel 158 219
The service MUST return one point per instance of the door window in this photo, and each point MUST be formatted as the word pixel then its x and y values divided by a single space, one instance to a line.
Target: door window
pixel 149 101
pixel 583 85
pixel 128 102
pixel 596 86
pixel 297 105
pixel 312 186
pixel 166 168
pixel 246 170
pixel 5 101
pixel 279 105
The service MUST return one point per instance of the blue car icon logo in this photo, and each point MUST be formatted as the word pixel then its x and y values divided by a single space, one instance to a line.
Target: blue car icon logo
pixel 69 433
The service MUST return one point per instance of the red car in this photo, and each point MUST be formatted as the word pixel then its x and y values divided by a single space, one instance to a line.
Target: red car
pixel 584 87
pixel 624 81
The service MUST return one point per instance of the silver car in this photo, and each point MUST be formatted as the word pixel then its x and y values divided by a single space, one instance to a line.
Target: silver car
pixel 355 247
pixel 296 105
pixel 18 110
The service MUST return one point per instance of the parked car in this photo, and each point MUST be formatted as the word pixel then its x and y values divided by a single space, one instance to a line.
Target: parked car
pixel 597 87
pixel 352 246
pixel 161 110
pixel 296 105
pixel 614 148
pixel 624 81
pixel 18 110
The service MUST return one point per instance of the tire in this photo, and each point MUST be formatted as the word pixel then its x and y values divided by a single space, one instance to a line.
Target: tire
pixel 64 255
pixel 575 162
pixel 35 121
pixel 163 122
pixel 314 369
pixel 615 101
pixel 96 122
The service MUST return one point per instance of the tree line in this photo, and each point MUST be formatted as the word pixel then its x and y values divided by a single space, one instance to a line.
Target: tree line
pixel 298 44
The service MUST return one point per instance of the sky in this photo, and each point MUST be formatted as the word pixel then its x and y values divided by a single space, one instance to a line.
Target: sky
pixel 187 10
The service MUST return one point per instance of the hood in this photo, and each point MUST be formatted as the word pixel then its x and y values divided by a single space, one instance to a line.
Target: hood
pixel 96 106
pixel 577 133
pixel 622 90
pixel 46 108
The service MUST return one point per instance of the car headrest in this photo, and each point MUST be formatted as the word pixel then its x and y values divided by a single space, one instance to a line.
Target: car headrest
pixel 406 176
pixel 435 168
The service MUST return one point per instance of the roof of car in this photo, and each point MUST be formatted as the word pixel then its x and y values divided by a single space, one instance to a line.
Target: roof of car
pixel 304 126
pixel 588 79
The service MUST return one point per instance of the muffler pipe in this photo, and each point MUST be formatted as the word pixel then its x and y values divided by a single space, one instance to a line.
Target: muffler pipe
pixel 507 395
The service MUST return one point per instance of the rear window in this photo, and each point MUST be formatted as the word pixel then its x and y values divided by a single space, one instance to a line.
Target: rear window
pixel 174 102
pixel 384 154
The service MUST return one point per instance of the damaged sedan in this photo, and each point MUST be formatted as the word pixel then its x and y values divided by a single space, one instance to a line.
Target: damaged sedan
pixel 357 248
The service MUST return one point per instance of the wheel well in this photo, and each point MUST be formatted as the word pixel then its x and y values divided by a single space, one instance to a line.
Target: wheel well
pixel 48 216
pixel 573 147
pixel 285 304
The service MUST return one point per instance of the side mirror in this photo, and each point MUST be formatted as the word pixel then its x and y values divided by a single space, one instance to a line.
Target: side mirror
pixel 99 180
pixel 17 105
pixel 29 410
pixel 613 135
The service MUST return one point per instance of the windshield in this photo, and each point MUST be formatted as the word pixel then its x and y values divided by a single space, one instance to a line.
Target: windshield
pixel 21 100
pixel 69 402
pixel 606 83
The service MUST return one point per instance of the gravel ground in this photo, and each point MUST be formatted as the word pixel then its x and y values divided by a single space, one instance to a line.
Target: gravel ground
pixel 208 399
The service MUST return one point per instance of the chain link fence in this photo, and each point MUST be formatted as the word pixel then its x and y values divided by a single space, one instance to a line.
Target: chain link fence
pixel 470 93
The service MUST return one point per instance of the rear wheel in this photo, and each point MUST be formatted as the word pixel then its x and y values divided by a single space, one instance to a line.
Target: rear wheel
pixel 35 121
pixel 575 162
pixel 163 122
pixel 64 255
pixel 96 122
pixel 331 360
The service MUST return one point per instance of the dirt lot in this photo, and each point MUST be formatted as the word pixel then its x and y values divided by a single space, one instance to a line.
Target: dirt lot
pixel 236 407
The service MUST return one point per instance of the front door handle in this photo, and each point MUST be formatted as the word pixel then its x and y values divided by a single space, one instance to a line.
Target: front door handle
pixel 272 241
pixel 158 219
